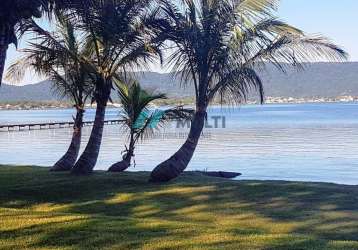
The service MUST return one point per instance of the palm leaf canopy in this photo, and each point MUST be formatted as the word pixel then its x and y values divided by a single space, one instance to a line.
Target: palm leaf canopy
pixel 14 12
pixel 117 35
pixel 116 38
pixel 137 115
pixel 16 15
pixel 220 45
pixel 52 60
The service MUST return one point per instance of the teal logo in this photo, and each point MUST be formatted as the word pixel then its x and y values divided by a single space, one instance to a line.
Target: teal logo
pixel 149 119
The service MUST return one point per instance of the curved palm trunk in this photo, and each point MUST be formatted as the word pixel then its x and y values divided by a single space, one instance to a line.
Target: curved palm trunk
pixel 176 164
pixel 126 162
pixel 88 159
pixel 122 165
pixel 67 161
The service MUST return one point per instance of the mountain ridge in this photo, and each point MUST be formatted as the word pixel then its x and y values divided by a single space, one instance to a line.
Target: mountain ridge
pixel 317 80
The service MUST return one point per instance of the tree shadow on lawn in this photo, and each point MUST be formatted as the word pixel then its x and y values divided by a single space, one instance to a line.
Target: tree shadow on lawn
pixel 89 233
pixel 327 211
pixel 125 211
pixel 110 233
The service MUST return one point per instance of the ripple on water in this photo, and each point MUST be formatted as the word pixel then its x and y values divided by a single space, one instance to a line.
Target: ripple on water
pixel 291 142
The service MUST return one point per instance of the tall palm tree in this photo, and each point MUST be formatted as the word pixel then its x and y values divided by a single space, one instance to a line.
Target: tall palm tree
pixel 139 120
pixel 67 74
pixel 219 45
pixel 117 40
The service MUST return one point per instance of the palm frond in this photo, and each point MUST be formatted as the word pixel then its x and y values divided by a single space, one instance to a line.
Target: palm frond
pixel 254 8
pixel 59 57
pixel 136 111
pixel 236 86
pixel 219 45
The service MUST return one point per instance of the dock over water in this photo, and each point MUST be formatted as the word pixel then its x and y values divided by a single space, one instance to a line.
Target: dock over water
pixel 49 125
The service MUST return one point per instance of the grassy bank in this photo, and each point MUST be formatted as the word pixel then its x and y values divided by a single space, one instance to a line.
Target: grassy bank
pixel 39 210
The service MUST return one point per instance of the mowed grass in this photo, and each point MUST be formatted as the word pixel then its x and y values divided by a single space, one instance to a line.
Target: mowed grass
pixel 42 210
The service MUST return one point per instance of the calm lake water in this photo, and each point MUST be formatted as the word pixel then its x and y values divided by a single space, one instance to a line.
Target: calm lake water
pixel 305 142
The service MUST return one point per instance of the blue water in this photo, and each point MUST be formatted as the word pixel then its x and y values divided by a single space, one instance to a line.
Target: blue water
pixel 304 142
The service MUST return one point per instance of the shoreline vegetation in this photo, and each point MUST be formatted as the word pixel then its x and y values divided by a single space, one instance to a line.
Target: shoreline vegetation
pixel 42 210
pixel 43 105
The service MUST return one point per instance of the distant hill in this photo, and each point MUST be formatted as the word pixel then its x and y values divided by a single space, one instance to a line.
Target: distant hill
pixel 33 92
pixel 318 80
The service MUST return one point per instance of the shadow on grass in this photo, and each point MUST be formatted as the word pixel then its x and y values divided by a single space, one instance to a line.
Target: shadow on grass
pixel 124 211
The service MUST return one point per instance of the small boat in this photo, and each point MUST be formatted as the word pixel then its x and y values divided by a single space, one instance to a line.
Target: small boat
pixel 220 174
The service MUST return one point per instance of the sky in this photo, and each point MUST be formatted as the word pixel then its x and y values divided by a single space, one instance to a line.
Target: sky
pixel 337 20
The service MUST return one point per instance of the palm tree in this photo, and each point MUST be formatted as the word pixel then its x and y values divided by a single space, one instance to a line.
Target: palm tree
pixel 139 120
pixel 220 45
pixel 67 74
pixel 117 40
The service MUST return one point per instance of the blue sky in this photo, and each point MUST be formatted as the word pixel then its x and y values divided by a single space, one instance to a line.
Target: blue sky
pixel 337 20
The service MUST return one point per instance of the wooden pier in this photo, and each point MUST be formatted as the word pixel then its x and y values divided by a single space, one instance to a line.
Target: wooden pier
pixel 49 125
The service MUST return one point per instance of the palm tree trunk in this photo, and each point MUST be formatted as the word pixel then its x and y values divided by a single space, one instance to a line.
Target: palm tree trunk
pixel 122 165
pixel 126 162
pixel 67 161
pixel 3 49
pixel 176 164
pixel 88 159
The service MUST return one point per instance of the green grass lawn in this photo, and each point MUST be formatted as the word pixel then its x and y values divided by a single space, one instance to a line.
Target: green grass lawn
pixel 42 210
